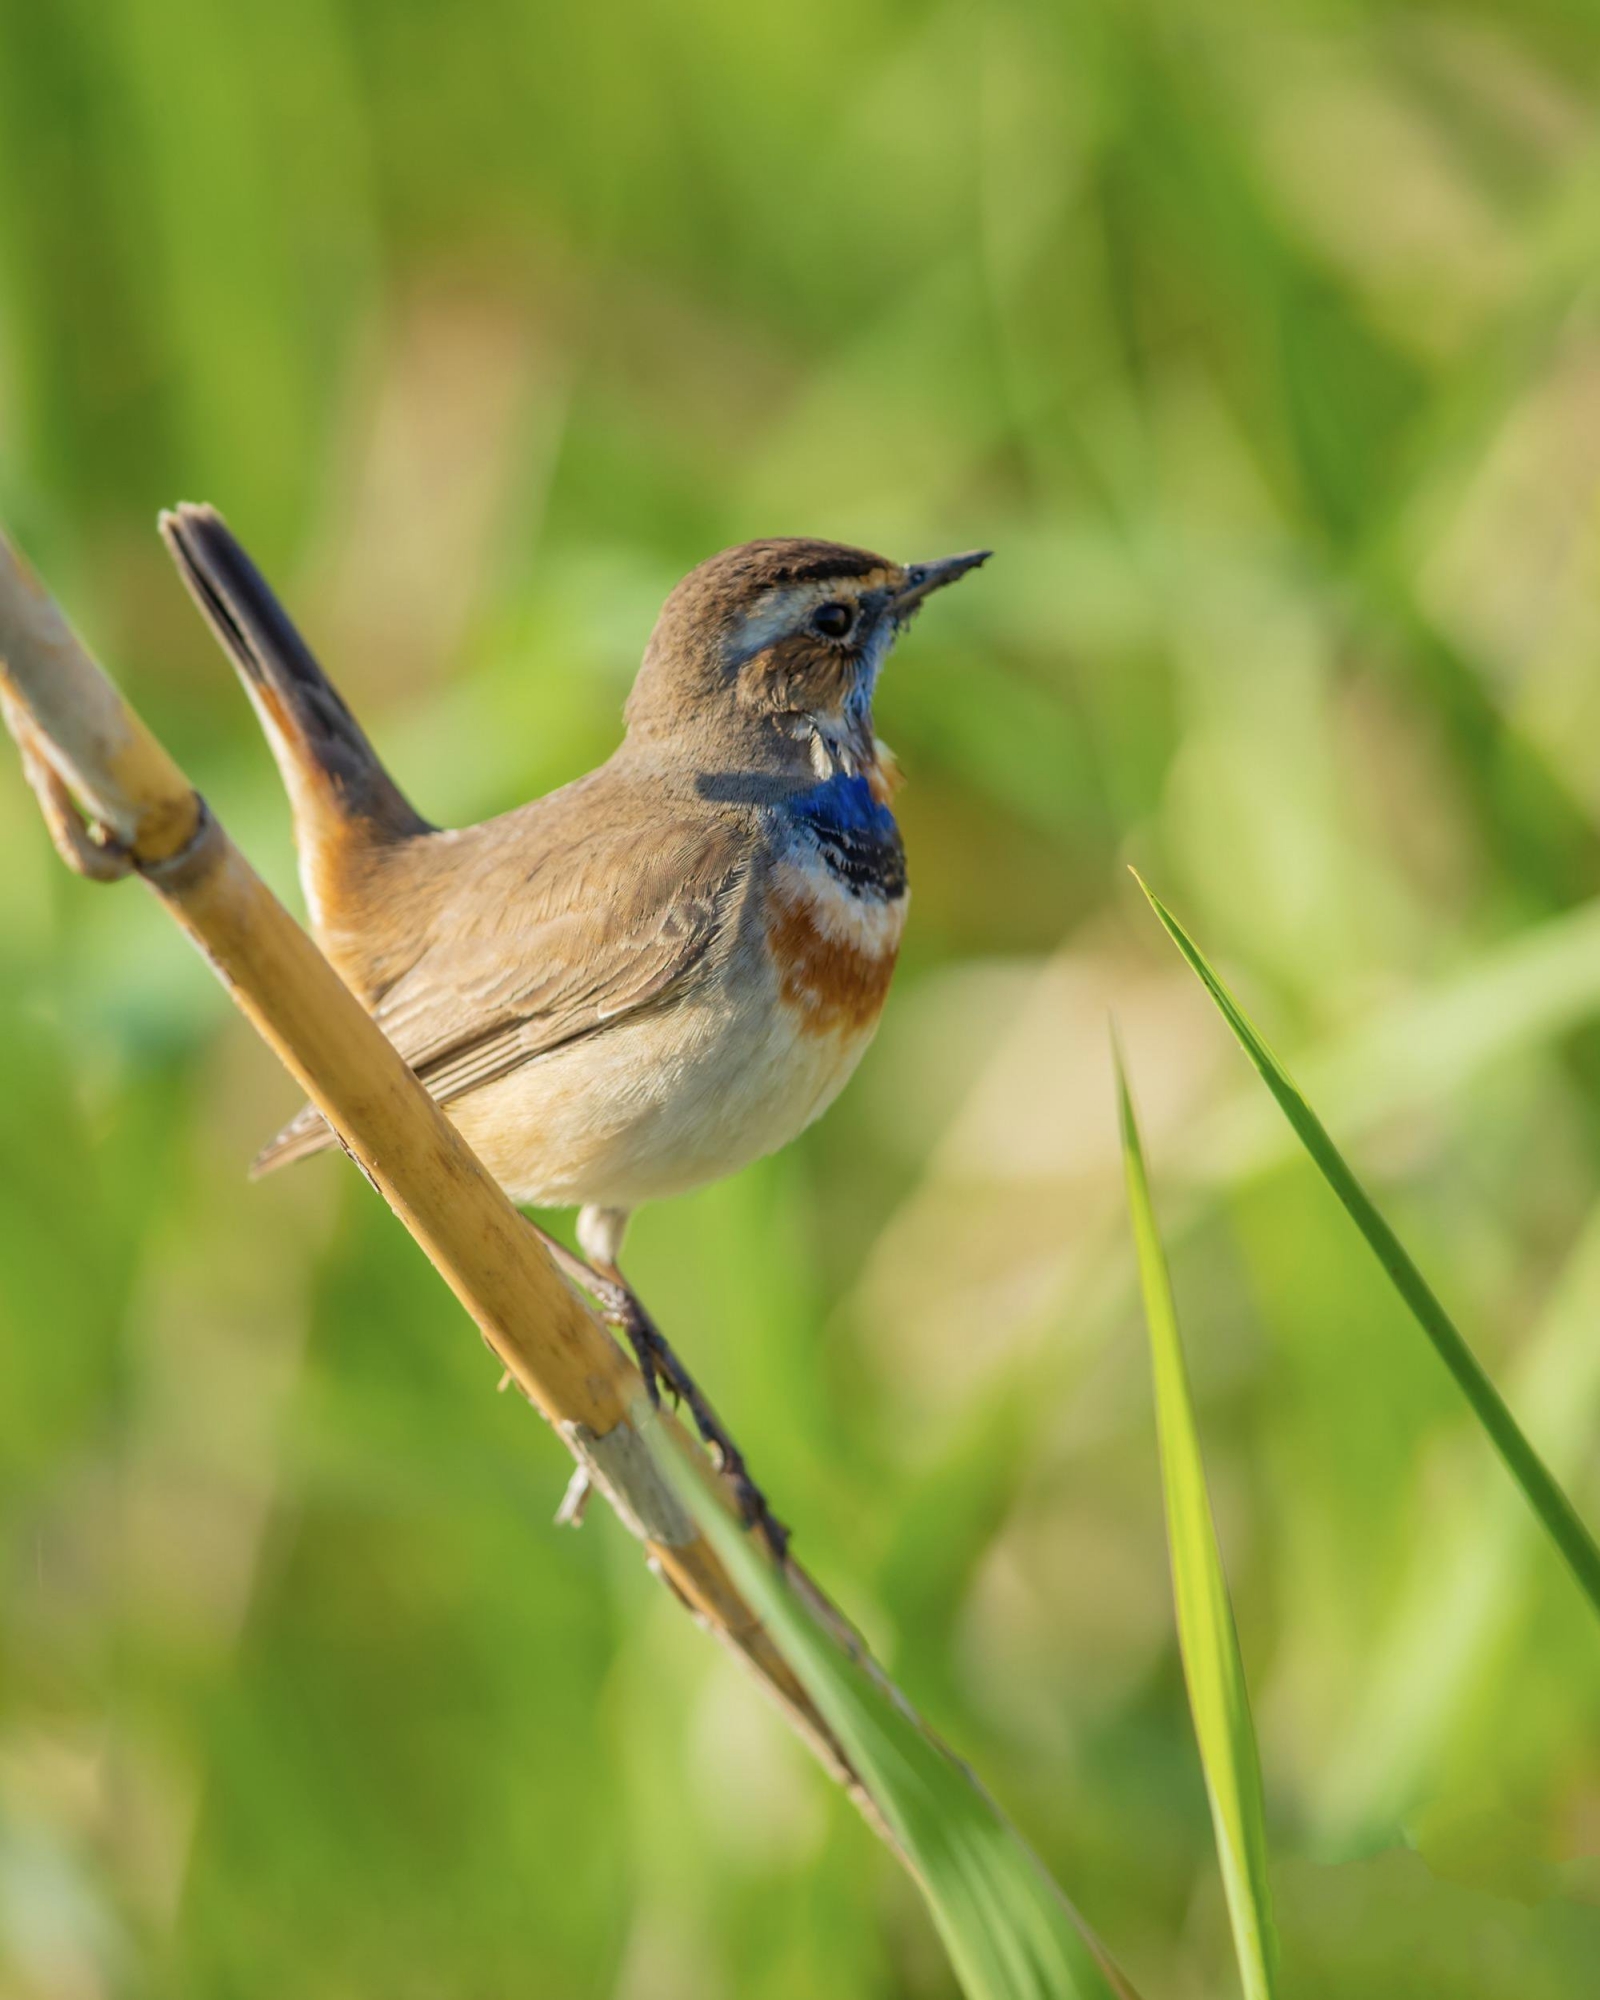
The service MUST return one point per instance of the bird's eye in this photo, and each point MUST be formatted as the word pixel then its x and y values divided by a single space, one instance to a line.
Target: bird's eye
pixel 833 620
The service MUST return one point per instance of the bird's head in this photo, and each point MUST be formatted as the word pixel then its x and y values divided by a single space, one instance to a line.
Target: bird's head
pixel 771 652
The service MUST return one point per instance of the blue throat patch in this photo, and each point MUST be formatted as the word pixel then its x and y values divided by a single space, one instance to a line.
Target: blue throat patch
pixel 859 839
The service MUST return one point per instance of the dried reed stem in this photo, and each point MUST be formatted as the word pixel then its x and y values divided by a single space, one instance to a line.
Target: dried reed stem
pixel 80 741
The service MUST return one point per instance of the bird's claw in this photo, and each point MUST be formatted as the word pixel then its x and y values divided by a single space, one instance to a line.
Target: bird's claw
pixel 659 1366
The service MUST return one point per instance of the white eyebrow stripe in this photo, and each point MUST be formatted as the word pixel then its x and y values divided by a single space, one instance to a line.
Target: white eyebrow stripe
pixel 778 613
pixel 782 610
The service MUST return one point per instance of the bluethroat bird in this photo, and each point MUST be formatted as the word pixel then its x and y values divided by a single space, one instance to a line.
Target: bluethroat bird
pixel 656 974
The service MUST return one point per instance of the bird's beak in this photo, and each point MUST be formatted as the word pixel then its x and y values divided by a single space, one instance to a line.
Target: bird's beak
pixel 923 578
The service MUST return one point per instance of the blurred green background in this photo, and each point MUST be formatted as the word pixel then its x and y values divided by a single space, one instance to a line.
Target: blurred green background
pixel 1263 343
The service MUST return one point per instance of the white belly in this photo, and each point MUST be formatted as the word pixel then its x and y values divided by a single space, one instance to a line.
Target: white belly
pixel 657 1104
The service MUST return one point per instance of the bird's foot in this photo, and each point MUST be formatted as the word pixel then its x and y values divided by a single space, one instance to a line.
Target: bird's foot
pixel 660 1366
pixel 621 1308
pixel 575 1501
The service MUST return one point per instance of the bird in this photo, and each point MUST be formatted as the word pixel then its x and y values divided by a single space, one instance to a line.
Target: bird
pixel 663 970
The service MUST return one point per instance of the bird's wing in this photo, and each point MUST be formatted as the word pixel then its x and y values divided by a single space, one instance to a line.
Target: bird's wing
pixel 619 932
pixel 551 932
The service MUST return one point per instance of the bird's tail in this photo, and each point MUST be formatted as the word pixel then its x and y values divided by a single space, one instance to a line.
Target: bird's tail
pixel 344 800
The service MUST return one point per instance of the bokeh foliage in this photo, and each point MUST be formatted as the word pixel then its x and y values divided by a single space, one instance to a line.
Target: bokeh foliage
pixel 1263 342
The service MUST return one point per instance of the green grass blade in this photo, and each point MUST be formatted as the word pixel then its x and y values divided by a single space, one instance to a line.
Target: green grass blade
pixel 1543 1493
pixel 1009 1931
pixel 1213 1669
pixel 1466 1597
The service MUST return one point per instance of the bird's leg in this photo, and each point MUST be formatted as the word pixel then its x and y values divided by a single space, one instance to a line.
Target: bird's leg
pixel 600 1232
pixel 585 1277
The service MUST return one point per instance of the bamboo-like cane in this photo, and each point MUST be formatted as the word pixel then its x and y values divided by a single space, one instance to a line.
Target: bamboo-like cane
pixel 80 741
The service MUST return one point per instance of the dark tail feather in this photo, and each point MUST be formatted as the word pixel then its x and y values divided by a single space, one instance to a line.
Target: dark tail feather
pixel 328 765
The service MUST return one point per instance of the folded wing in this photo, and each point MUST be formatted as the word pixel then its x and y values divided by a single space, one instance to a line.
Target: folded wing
pixel 547 925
